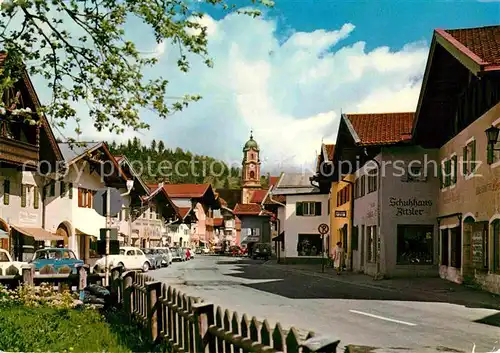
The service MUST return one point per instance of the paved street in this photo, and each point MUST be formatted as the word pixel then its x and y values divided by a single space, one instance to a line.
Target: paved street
pixel 354 313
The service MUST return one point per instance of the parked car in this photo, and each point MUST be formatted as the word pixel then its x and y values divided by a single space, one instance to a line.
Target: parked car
pixel 198 251
pixel 61 260
pixel 9 266
pixel 261 251
pixel 178 255
pixel 205 250
pixel 166 256
pixel 130 258
pixel 154 257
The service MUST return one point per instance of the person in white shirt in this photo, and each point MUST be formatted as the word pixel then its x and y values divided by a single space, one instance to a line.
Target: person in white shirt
pixel 338 255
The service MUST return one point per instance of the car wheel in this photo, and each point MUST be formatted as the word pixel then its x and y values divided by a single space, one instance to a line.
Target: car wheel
pixel 145 267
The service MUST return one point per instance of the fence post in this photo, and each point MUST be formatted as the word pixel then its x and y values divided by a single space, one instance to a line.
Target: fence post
pixel 82 280
pixel 204 319
pixel 28 275
pixel 153 300
pixel 115 285
pixel 128 295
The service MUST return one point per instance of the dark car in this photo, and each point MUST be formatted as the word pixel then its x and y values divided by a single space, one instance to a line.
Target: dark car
pixel 261 251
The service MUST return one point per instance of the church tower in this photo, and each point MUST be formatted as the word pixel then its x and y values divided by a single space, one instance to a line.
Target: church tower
pixel 251 170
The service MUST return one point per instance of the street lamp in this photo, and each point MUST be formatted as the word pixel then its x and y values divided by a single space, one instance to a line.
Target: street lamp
pixel 492 135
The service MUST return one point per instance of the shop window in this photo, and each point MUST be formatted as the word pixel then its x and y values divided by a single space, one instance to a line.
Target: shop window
pixel 414 244
pixel 309 245
pixel 444 247
pixel 479 245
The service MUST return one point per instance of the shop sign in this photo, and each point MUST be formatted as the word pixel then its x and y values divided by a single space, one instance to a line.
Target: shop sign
pixel 341 214
pixel 409 207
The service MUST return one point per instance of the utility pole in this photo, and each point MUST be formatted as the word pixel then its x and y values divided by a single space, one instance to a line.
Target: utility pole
pixel 108 235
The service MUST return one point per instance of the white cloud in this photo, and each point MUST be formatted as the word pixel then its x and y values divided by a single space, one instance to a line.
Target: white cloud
pixel 289 92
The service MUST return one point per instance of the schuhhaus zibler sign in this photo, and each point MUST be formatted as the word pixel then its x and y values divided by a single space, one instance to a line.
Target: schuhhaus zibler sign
pixel 409 207
pixel 341 214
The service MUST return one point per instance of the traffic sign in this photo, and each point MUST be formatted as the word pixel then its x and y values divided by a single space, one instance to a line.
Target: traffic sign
pixel 115 204
pixel 323 228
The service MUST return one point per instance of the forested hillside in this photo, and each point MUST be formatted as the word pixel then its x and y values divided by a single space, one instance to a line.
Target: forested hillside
pixel 176 166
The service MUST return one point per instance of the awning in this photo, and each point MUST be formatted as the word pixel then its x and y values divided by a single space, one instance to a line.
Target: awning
pixel 37 233
pixel 451 221
pixel 79 232
pixel 280 237
pixel 4 234
pixel 154 238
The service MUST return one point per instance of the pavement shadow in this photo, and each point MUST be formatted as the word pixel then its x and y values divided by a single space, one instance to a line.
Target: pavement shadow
pixel 299 285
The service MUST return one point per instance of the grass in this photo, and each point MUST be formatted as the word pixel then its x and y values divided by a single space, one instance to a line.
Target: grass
pixel 43 329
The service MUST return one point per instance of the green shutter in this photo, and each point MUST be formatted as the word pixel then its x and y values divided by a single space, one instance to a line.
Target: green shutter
pixel 473 157
pixel 36 198
pixel 490 154
pixel 464 161
pixel 53 188
pixel 447 173
pixel 6 191
pixel 317 209
pixel 455 169
pixel 23 195
pixel 440 175
pixel 299 209
pixel 70 190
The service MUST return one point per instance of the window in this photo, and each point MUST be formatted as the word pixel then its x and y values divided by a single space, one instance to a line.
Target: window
pixel 454 170
pixel 151 210
pixel 343 195
pixel 23 195
pixel 63 189
pixel 252 174
pixel 469 158
pixel 456 247
pixel 372 181
pixel 414 244
pixel 309 245
pixel 85 198
pixel 70 190
pixel 362 186
pixel 328 205
pixel 36 198
pixel 414 174
pixel 6 191
pixel 371 248
pixel 308 208
pixel 52 188
pixel 356 188
pixel 496 246
pixel 446 176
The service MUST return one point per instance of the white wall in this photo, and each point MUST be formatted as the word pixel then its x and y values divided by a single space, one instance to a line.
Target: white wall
pixel 13 213
pixel 295 225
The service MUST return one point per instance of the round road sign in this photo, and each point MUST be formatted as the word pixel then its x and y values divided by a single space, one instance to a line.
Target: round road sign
pixel 323 228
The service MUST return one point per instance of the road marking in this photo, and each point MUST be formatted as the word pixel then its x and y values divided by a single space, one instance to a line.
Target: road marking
pixel 383 318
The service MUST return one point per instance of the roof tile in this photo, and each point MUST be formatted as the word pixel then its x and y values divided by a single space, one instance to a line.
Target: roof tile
pixel 258 196
pixel 186 190
pixel 329 150
pixel 482 41
pixel 382 128
pixel 249 209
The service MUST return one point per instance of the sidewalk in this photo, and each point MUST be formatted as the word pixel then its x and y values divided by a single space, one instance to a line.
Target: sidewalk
pixel 433 288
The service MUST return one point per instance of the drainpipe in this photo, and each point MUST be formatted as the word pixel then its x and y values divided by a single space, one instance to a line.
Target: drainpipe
pixel 378 275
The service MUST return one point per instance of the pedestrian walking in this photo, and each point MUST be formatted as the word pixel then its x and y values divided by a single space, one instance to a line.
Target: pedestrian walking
pixel 338 255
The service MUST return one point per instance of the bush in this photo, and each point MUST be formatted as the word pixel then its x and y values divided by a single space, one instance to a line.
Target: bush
pixel 43 295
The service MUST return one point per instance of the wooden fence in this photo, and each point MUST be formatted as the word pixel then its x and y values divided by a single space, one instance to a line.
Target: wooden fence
pixel 188 324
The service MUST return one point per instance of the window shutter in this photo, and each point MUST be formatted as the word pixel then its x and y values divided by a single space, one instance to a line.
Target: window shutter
pixel 473 157
pixel 299 209
pixel 63 189
pixel 317 209
pixel 36 197
pixel 23 195
pixel 490 154
pixel 464 161
pixel 70 190
pixel 6 191
pixel 440 172
pixel 53 188
pixel 455 169
pixel 89 199
pixel 80 197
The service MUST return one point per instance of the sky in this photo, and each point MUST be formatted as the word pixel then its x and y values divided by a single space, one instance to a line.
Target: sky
pixel 289 74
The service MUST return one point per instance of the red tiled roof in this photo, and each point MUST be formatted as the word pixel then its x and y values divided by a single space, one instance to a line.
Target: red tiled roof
pixel 329 151
pixel 258 196
pixel 152 187
pixel 273 180
pixel 278 198
pixel 218 222
pixel 183 211
pixel 248 209
pixel 481 44
pixel 186 190
pixel 382 128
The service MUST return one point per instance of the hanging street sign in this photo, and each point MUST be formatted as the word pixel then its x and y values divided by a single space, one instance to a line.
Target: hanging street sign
pixel 115 201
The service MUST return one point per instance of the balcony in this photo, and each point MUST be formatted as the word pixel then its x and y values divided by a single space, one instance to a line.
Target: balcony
pixel 17 152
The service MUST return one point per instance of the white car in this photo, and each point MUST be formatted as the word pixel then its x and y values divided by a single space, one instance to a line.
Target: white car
pixel 167 256
pixel 130 258
pixel 6 262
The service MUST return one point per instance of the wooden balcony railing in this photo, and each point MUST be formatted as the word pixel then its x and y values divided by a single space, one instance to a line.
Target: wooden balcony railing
pixel 17 152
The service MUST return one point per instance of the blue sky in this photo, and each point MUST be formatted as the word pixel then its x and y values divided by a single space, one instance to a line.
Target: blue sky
pixel 288 74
